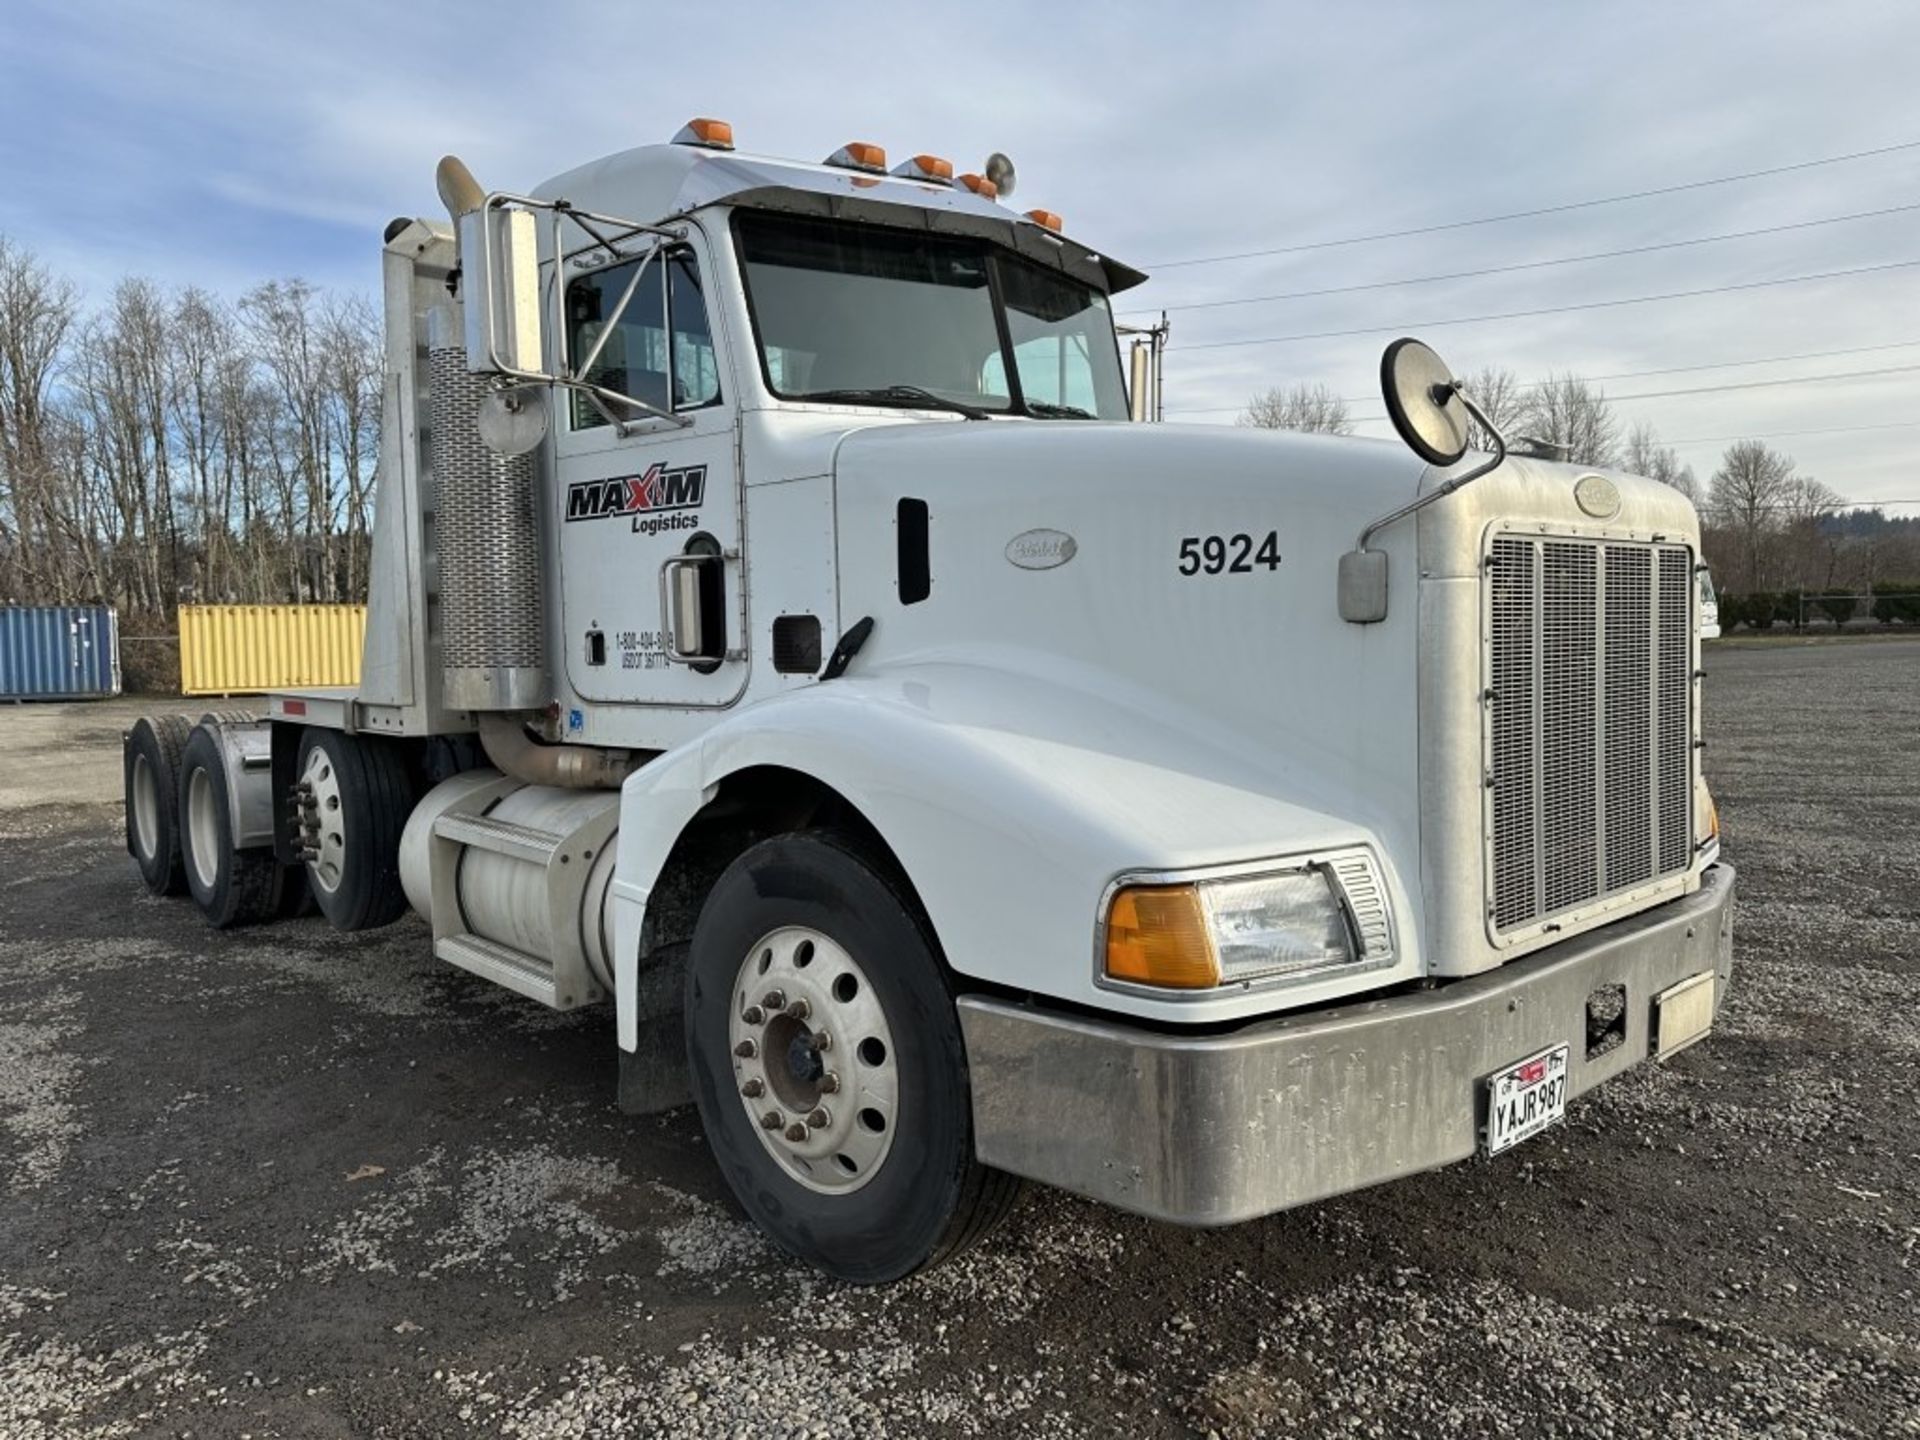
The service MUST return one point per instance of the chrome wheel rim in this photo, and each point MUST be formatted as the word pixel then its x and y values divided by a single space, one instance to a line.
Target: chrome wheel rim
pixel 146 808
pixel 813 1060
pixel 203 830
pixel 325 822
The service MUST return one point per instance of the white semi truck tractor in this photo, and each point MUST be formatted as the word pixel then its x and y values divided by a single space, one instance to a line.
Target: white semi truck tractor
pixel 780 633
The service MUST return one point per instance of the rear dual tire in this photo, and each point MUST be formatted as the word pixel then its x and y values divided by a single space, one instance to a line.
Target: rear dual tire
pixel 152 765
pixel 232 887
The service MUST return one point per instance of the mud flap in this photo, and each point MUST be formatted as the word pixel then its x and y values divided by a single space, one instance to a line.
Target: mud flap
pixel 653 1076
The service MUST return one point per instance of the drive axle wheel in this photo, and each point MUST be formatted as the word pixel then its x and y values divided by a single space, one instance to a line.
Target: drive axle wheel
pixel 152 757
pixel 828 1064
pixel 232 887
pixel 349 806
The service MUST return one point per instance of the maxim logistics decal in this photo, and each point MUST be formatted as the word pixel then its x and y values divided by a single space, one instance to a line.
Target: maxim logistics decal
pixel 661 499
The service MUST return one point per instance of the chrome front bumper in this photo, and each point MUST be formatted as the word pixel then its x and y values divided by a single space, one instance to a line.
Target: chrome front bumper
pixel 1208 1130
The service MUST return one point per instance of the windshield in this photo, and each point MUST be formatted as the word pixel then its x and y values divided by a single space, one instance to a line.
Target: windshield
pixel 862 312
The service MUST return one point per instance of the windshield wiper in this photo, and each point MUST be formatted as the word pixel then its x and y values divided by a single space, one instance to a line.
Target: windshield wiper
pixel 1046 411
pixel 883 393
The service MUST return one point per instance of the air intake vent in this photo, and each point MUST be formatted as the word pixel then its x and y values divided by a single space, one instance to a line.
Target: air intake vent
pixel 796 644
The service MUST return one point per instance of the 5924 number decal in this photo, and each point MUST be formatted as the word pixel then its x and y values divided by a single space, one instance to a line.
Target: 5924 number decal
pixel 1229 554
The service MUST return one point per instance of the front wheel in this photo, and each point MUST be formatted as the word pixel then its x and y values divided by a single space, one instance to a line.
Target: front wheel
pixel 828 1064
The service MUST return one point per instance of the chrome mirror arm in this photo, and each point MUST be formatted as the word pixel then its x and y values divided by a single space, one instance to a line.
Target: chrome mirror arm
pixel 600 398
pixel 1441 492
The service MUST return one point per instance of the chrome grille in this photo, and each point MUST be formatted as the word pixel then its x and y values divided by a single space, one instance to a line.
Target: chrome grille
pixel 1629 719
pixel 1675 687
pixel 1589 734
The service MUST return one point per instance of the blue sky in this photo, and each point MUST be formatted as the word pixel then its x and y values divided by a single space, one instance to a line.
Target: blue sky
pixel 219 144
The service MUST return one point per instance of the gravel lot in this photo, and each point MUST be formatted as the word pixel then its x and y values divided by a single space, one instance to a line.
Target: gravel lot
pixel 287 1183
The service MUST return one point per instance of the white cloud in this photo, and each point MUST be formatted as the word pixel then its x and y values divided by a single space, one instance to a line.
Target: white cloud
pixel 222 143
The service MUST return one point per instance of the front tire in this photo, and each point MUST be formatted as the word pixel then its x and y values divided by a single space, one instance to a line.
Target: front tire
pixel 828 1064
pixel 231 887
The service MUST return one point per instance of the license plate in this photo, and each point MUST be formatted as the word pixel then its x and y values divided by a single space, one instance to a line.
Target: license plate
pixel 1526 1098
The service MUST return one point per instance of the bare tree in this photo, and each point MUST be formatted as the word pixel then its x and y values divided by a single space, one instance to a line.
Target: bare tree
pixel 1500 395
pixel 172 447
pixel 1812 548
pixel 1573 415
pixel 1750 491
pixel 37 310
pixel 1643 454
pixel 354 362
pixel 1312 408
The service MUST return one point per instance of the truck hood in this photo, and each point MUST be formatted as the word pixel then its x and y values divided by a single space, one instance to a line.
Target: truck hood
pixel 1180 576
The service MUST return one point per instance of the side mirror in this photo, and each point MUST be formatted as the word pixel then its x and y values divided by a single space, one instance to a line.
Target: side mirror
pixel 501 297
pixel 499 275
pixel 1423 401
pixel 999 169
pixel 1434 415
pixel 500 283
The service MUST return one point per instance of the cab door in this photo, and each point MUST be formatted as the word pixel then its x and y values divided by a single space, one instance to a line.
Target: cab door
pixel 652 606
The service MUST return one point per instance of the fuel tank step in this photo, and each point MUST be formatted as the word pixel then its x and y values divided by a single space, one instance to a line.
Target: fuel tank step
pixel 527 974
pixel 501 837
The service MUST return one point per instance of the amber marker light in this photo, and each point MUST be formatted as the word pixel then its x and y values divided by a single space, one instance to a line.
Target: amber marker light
pixel 1046 219
pixel 859 155
pixel 926 167
pixel 713 134
pixel 1157 935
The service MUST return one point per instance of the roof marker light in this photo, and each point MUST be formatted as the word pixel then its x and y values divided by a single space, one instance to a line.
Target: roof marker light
pixel 1046 219
pixel 979 185
pixel 712 134
pixel 926 167
pixel 859 155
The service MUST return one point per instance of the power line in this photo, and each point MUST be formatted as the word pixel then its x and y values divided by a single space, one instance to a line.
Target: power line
pixel 1790 434
pixel 1838 504
pixel 1542 210
pixel 1618 374
pixel 1736 364
pixel 1764 435
pixel 1553 309
pixel 1765 384
pixel 1751 384
pixel 1532 264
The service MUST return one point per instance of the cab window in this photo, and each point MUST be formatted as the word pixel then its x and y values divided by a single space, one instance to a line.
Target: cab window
pixel 1063 343
pixel 661 349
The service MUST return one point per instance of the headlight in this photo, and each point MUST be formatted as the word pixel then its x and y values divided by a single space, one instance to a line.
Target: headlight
pixel 1306 918
pixel 1276 924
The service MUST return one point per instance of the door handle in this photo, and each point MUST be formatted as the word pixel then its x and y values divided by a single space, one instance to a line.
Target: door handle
pixel 682 639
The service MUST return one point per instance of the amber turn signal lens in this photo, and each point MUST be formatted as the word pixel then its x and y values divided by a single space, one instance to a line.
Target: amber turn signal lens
pixel 859 155
pixel 1157 935
pixel 714 134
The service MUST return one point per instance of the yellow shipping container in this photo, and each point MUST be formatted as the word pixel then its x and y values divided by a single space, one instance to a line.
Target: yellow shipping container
pixel 240 649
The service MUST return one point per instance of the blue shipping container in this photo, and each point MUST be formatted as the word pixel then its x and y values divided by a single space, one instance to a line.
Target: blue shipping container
pixel 58 652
